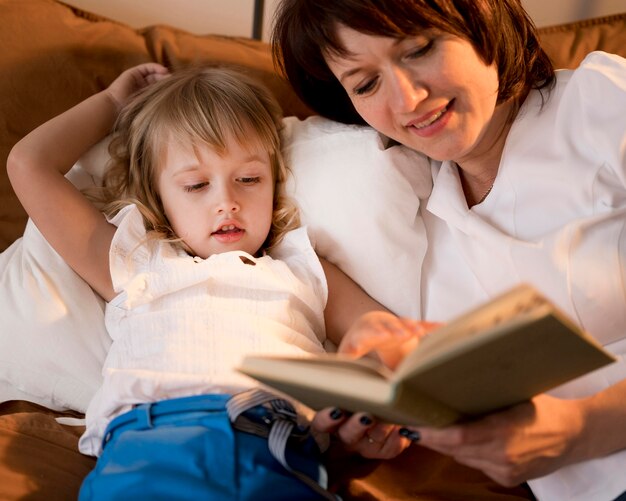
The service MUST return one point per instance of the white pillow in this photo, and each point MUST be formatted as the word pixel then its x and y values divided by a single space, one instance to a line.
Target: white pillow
pixel 359 200
pixel 52 336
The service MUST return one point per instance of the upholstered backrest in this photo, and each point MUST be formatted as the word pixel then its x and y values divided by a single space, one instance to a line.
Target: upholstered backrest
pixel 54 56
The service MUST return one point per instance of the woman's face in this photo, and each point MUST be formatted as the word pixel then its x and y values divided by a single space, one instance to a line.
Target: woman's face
pixel 430 92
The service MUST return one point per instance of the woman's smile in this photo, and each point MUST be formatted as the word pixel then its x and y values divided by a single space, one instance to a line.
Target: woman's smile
pixel 435 122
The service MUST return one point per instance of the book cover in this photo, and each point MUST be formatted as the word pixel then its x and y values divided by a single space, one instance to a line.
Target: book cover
pixel 503 352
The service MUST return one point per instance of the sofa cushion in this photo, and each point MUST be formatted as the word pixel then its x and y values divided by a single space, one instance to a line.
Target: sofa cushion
pixel 54 56
pixel 568 44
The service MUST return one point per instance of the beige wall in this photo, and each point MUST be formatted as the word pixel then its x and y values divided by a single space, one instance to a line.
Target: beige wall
pixel 225 17
pixel 547 12
pixel 235 17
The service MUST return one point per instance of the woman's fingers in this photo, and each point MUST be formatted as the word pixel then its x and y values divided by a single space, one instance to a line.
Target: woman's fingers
pixel 360 433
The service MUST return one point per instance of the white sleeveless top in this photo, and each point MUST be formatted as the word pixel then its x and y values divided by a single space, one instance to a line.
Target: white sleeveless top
pixel 181 324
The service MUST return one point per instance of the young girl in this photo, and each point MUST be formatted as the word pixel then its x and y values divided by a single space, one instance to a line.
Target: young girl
pixel 194 201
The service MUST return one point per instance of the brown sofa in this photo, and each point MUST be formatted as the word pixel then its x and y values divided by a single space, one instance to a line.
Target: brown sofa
pixel 52 57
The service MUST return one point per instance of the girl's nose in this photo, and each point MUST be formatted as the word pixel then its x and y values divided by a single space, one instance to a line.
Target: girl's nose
pixel 227 201
pixel 405 92
pixel 227 206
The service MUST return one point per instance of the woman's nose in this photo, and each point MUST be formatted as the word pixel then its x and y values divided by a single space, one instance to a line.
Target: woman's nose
pixel 405 92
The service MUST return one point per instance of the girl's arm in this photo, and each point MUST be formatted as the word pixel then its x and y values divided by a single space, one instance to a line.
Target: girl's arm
pixel 359 325
pixel 74 227
pixel 346 302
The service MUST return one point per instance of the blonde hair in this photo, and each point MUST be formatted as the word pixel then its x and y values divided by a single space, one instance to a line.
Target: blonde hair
pixel 204 105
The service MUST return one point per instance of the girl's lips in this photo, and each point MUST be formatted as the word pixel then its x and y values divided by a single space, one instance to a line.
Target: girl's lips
pixel 432 123
pixel 228 232
pixel 227 236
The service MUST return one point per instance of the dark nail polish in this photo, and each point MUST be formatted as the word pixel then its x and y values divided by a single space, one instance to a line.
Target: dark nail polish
pixel 365 420
pixel 336 414
pixel 413 436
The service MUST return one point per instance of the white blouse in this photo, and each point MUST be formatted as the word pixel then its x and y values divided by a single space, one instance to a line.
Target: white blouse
pixel 180 325
pixel 555 218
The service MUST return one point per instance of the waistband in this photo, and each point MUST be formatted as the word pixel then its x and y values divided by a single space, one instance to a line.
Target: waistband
pixel 163 411
pixel 252 417
pixel 254 411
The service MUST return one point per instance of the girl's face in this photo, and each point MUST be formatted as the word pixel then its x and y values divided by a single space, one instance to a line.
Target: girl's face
pixel 217 203
pixel 430 92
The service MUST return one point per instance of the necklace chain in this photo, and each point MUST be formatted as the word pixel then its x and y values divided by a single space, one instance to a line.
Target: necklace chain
pixel 482 199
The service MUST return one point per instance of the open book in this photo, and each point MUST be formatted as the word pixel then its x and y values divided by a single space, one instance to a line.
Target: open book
pixel 504 352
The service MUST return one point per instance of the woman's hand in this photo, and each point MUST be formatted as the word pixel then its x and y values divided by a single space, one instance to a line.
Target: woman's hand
pixel 133 80
pixel 526 441
pixel 361 434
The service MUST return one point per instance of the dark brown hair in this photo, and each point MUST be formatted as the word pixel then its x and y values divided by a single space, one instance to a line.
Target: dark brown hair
pixel 499 30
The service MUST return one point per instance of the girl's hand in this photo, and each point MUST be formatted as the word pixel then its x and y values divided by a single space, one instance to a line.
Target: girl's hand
pixel 385 335
pixel 390 338
pixel 133 80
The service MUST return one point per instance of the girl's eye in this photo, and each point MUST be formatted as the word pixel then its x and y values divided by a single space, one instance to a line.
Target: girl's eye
pixel 249 180
pixel 366 87
pixel 195 187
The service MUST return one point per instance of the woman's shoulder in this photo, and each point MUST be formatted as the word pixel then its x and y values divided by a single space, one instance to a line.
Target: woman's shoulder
pixel 596 91
pixel 602 61
pixel 596 69
pixel 596 87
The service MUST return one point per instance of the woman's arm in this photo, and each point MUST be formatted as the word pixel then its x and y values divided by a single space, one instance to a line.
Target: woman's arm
pixel 37 164
pixel 527 441
pixel 523 442
pixel 537 438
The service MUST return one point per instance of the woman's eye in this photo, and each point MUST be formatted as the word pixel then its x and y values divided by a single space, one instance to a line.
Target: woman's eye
pixel 419 52
pixel 195 187
pixel 366 87
pixel 249 180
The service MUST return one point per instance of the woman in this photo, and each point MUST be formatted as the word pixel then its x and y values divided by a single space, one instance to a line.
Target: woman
pixel 529 185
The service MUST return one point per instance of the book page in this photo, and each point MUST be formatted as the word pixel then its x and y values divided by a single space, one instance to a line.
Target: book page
pixel 521 304
pixel 354 385
pixel 337 361
pixel 499 354
pixel 330 374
